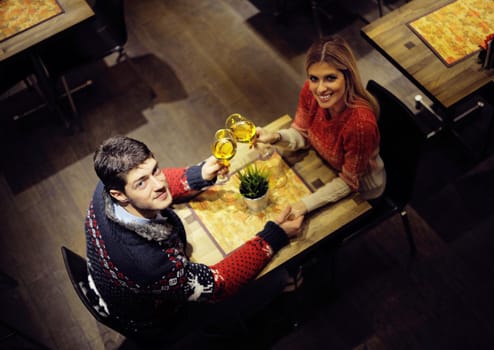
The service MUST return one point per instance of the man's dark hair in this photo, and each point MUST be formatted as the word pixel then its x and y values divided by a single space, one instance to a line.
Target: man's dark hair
pixel 116 157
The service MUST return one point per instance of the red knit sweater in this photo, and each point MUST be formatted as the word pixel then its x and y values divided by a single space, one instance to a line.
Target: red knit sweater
pixel 349 142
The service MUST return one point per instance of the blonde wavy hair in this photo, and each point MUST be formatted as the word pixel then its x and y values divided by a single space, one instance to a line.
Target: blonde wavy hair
pixel 335 51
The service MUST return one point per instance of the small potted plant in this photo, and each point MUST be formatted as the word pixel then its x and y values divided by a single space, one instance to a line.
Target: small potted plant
pixel 254 186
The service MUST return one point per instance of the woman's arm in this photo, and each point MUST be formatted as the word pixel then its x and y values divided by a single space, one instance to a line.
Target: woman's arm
pixel 331 192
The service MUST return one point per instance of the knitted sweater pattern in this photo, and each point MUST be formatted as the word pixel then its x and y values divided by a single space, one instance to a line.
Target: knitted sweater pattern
pixel 349 142
pixel 142 271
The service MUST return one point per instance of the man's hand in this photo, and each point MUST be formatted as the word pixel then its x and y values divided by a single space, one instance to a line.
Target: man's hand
pixel 289 223
pixel 212 168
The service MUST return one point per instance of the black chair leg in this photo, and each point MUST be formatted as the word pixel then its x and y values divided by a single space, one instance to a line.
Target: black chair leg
pixel 48 88
pixel 488 137
pixel 279 8
pixel 408 230
pixel 324 265
pixel 317 11
pixel 293 311
pixel 315 14
pixel 70 98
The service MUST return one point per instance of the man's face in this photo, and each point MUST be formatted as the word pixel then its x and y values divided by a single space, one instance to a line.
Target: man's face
pixel 146 190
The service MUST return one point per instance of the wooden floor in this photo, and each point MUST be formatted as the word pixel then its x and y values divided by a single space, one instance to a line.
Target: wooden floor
pixel 207 59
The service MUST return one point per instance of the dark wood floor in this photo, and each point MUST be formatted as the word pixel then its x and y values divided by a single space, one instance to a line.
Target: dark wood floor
pixel 207 59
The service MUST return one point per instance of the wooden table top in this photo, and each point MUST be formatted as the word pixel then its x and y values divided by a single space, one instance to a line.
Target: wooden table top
pixel 444 85
pixel 75 11
pixel 209 247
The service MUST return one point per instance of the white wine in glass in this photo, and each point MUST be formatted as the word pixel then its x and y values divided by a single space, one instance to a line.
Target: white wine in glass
pixel 243 129
pixel 245 132
pixel 224 148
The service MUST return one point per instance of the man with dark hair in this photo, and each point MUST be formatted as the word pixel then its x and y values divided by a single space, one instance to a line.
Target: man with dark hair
pixel 137 263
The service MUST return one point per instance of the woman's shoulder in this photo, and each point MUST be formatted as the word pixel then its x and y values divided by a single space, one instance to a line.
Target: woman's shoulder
pixel 363 112
pixel 363 119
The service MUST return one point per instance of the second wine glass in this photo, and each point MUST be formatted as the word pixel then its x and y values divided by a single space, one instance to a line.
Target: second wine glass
pixel 243 129
pixel 245 132
pixel 224 148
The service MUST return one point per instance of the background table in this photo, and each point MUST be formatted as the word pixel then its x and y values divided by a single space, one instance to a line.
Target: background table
pixel 445 86
pixel 74 12
pixel 207 248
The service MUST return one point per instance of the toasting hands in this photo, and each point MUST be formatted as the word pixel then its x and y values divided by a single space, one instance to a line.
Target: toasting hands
pixel 266 136
pixel 212 168
pixel 299 209
pixel 291 224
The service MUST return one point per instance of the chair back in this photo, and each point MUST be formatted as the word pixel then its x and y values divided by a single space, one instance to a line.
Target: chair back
pixel 13 70
pixel 76 267
pixel 109 22
pixel 97 37
pixel 401 144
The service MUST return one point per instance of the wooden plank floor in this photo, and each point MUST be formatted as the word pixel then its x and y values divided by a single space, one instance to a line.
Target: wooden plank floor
pixel 207 59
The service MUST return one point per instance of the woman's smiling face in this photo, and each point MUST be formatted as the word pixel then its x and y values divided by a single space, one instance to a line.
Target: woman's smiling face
pixel 327 84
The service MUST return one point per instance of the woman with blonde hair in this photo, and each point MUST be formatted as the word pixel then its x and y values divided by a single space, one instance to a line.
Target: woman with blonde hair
pixel 337 117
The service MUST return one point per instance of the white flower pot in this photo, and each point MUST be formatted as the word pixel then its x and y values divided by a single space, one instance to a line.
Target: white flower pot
pixel 257 204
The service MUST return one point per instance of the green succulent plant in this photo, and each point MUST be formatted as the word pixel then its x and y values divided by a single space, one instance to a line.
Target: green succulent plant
pixel 254 181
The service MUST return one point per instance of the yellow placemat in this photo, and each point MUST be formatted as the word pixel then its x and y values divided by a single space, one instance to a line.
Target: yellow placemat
pixel 221 209
pixel 19 15
pixel 455 31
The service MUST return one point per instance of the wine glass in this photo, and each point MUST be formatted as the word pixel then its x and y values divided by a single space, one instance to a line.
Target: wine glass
pixel 244 131
pixel 224 148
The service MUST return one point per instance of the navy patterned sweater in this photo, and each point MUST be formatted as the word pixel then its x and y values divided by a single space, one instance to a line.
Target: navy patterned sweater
pixel 142 271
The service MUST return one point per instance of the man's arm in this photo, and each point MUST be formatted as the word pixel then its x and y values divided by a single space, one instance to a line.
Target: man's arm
pixel 202 283
pixel 213 283
pixel 187 180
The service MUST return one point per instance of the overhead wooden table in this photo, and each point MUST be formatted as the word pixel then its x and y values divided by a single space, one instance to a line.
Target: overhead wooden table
pixel 74 12
pixel 211 238
pixel 445 86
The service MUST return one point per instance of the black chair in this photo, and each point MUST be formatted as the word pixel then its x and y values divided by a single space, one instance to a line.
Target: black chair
pixel 14 70
pixel 76 267
pixel 17 70
pixel 280 9
pixel 401 146
pixel 98 37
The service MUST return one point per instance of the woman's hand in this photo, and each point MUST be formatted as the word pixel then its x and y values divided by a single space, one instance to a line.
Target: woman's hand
pixel 289 223
pixel 299 209
pixel 266 136
pixel 212 168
